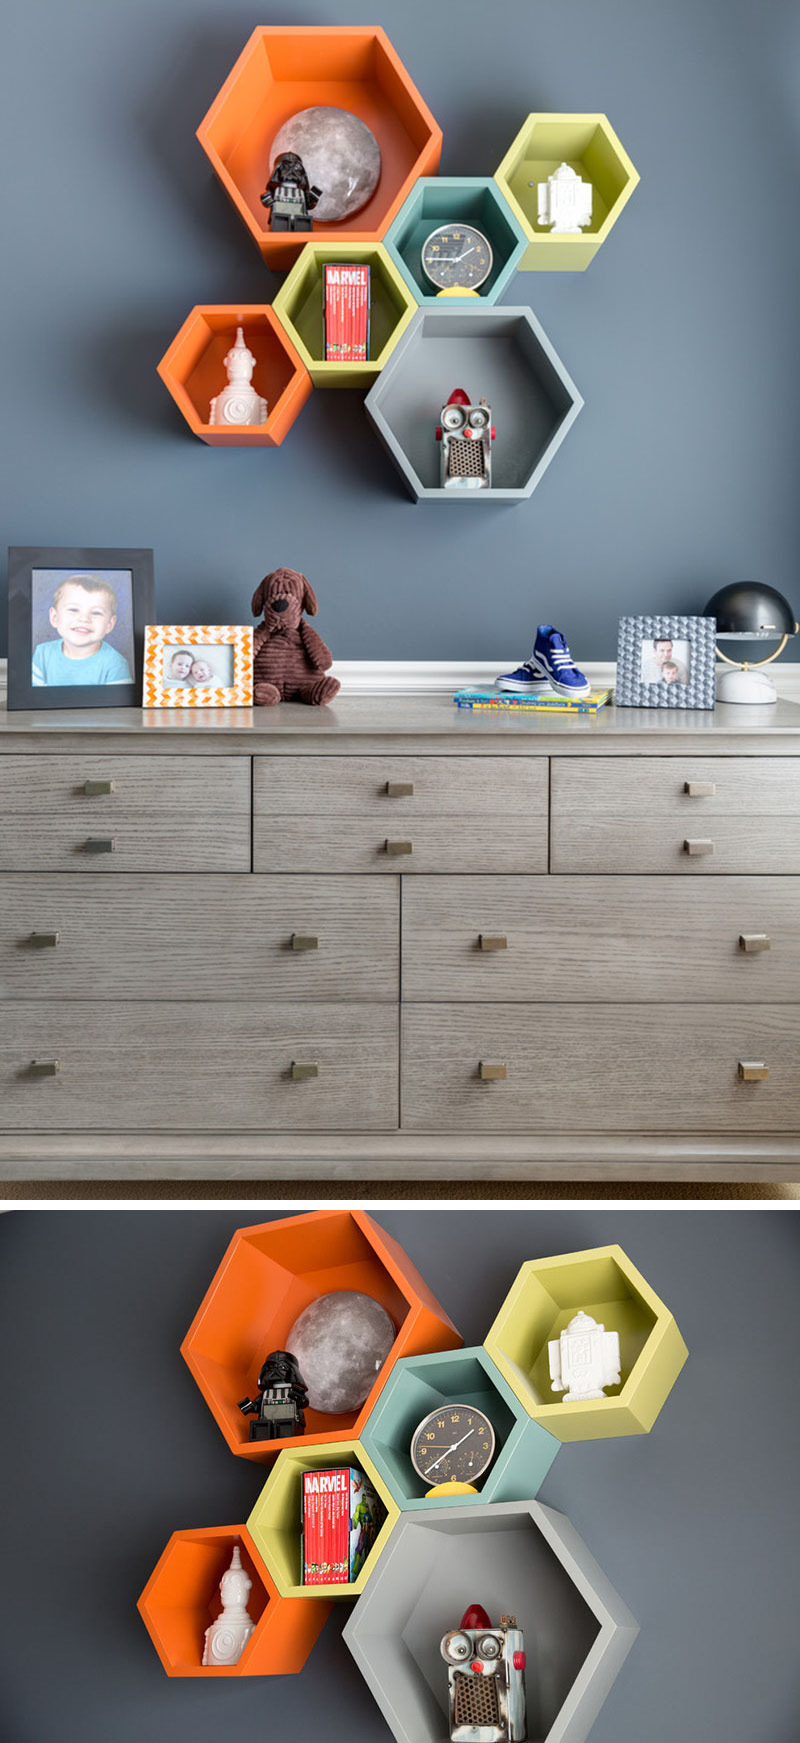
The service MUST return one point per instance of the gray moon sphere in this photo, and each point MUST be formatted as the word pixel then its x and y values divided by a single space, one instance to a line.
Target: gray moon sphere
pixel 341 1342
pixel 340 155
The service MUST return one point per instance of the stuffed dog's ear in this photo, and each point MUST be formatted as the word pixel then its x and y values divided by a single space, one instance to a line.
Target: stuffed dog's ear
pixel 309 598
pixel 259 596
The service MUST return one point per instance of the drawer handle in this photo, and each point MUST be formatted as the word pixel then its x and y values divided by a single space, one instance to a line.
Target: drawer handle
pixel 753 1071
pixel 93 789
pixel 44 1067
pixel 304 941
pixel 486 942
pixel 302 1071
pixel 99 844
pixel 697 848
pixel 700 789
pixel 400 789
pixel 753 941
pixel 396 847
pixel 43 940
pixel 492 1073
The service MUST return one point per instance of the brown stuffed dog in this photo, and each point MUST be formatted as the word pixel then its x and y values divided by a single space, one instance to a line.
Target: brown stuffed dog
pixel 290 660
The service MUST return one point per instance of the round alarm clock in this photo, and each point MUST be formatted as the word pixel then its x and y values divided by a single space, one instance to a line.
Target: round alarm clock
pixel 456 257
pixel 454 1443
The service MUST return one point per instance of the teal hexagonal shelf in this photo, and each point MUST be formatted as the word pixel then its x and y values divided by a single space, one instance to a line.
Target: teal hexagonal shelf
pixel 455 200
pixel 420 1384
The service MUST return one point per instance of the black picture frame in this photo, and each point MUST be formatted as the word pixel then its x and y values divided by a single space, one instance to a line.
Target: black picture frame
pixel 22 561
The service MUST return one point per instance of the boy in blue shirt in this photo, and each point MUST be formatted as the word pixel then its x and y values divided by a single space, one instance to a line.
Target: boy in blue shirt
pixel 84 610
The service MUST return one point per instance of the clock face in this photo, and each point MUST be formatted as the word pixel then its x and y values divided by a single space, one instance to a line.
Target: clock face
pixel 453 1444
pixel 456 257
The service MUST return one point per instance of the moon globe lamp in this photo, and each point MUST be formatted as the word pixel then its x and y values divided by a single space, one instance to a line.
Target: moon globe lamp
pixel 749 611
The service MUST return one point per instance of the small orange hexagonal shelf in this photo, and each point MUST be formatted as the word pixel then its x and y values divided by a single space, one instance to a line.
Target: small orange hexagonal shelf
pixel 269 1274
pixel 181 1599
pixel 193 369
pixel 283 69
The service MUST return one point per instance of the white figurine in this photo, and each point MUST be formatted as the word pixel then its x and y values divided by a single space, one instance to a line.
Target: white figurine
pixel 565 202
pixel 238 403
pixel 585 1358
pixel 227 1638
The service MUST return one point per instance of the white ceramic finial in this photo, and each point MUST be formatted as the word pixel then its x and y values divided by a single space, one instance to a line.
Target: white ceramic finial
pixel 238 403
pixel 227 1638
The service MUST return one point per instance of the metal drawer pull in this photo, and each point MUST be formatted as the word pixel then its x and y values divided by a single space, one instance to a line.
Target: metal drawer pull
pixel 304 941
pixel 300 1072
pixel 45 1067
pixel 487 943
pixel 43 940
pixel 492 1073
pixel 395 847
pixel 400 789
pixel 93 789
pixel 99 844
pixel 753 1071
pixel 696 848
pixel 700 789
pixel 752 941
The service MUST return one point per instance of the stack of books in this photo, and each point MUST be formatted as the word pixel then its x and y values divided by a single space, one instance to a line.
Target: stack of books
pixel 546 702
pixel 341 1517
pixel 346 313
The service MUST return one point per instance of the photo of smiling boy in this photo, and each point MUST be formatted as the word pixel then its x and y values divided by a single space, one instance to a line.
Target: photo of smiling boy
pixel 83 613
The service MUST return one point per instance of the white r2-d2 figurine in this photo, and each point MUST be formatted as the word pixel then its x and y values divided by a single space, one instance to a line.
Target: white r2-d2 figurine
pixel 565 202
pixel 584 1359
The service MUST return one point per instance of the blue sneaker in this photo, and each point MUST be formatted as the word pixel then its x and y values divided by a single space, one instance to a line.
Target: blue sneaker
pixel 552 659
pixel 524 678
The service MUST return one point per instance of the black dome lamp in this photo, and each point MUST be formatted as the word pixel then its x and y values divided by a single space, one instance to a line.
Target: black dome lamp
pixel 748 611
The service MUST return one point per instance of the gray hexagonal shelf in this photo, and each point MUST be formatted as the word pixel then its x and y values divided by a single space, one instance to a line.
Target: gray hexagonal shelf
pixel 499 354
pixel 513 1557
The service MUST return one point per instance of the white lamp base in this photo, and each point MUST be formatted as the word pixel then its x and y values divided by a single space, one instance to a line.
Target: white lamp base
pixel 734 685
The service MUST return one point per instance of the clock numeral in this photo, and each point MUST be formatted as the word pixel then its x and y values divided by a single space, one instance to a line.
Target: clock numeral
pixel 431 1435
pixel 441 1422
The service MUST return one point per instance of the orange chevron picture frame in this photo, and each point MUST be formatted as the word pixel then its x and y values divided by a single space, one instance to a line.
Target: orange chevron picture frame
pixel 168 679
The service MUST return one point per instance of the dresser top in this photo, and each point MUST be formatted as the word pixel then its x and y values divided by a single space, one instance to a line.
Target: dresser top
pixel 421 725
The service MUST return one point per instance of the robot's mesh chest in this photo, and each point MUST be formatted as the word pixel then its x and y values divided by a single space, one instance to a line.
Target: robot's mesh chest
pixel 466 458
pixel 475 1700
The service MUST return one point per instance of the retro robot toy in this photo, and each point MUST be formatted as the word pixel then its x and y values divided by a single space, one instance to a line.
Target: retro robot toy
pixel 289 195
pixel 283 1396
pixel 466 433
pixel 584 1359
pixel 485 1679
pixel 564 202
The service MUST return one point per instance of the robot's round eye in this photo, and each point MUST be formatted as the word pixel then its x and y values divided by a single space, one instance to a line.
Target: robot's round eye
pixel 488 1646
pixel 479 417
pixel 457 1647
pixel 453 417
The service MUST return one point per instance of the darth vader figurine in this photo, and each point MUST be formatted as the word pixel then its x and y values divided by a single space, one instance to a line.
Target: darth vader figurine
pixel 282 1398
pixel 289 194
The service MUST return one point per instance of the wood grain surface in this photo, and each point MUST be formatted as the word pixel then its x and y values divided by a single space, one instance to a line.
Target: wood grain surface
pixel 357 844
pixel 453 786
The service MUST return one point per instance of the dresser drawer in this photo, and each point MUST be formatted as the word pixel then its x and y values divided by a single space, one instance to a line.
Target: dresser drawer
pixel 600 1068
pixel 198 1068
pixel 602 938
pixel 124 813
pixel 198 938
pixel 698 815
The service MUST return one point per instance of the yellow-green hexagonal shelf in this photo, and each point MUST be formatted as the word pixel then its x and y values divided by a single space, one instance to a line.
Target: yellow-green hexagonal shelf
pixel 543 1299
pixel 590 146
pixel 274 1523
pixel 299 307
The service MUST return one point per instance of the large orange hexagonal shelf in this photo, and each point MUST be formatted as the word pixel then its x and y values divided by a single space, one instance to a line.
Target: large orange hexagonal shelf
pixel 193 369
pixel 181 1599
pixel 269 1274
pixel 283 69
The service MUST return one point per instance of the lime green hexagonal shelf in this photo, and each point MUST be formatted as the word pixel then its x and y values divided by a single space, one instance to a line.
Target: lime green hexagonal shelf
pixel 274 1523
pixel 590 146
pixel 541 1302
pixel 300 302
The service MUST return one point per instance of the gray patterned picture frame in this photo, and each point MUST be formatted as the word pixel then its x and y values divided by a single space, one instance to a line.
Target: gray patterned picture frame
pixel 666 662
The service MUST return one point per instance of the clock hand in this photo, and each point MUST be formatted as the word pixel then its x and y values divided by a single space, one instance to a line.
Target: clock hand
pixel 450 1449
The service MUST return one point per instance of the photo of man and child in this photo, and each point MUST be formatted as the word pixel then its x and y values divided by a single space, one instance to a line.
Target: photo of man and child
pixel 91 616
pixel 193 668
pixel 665 661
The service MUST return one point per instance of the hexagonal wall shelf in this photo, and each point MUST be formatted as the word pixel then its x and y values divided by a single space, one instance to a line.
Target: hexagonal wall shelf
pixel 436 200
pixel 300 302
pixel 283 69
pixel 269 1274
pixel 181 1599
pixel 274 1523
pixel 193 369
pixel 418 1384
pixel 517 1557
pixel 590 146
pixel 500 354
pixel 544 1298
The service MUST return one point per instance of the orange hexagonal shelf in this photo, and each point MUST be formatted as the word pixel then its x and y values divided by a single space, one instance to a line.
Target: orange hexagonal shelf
pixel 193 369
pixel 181 1599
pixel 283 69
pixel 269 1274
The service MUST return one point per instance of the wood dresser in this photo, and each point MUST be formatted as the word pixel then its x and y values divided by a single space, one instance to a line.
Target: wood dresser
pixel 389 939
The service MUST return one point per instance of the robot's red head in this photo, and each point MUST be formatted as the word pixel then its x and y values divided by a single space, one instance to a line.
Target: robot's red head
pixel 475 1617
pixel 459 397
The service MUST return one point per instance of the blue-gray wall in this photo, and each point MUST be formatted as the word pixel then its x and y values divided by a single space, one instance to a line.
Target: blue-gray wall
pixel 681 471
